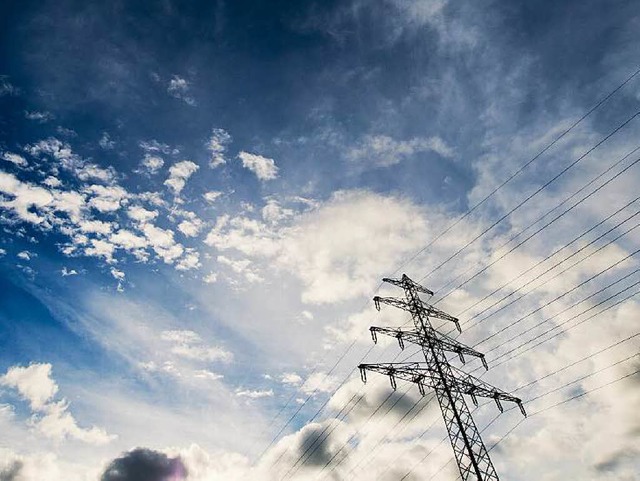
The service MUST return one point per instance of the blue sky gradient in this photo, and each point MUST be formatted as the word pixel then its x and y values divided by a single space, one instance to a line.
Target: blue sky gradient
pixel 197 199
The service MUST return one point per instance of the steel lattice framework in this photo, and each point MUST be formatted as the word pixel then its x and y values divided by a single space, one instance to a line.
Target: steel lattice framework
pixel 449 383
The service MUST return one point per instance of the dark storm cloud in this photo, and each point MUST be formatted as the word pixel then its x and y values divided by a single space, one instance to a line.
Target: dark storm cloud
pixel 11 472
pixel 314 446
pixel 617 460
pixel 143 464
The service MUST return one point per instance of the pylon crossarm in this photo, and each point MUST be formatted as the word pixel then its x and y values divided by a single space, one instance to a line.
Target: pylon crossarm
pixel 458 381
pixel 407 371
pixel 473 386
pixel 421 339
pixel 406 283
pixel 430 311
pixel 392 301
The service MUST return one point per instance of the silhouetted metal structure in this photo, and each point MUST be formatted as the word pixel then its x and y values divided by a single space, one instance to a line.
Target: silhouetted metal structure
pixel 448 382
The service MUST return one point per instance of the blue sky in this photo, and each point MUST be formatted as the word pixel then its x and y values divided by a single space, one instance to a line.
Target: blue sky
pixel 198 199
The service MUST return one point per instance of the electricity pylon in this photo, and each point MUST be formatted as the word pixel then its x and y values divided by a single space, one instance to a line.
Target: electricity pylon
pixel 449 383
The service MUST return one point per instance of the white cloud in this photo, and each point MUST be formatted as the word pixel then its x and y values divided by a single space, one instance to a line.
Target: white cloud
pixel 105 141
pixel 263 167
pixel 180 336
pixel 179 173
pixel 241 267
pixel 319 382
pixel 7 88
pixel 27 199
pixel 274 213
pixel 202 353
pixel 210 278
pixel 24 255
pixel 153 146
pixel 95 227
pixel 254 394
pixel 189 345
pixel 14 159
pixel 337 249
pixel 100 248
pixel 107 198
pixel 128 240
pixel 211 196
pixel 152 163
pixel 162 242
pixel 208 375
pixel 60 151
pixel 68 272
pixel 58 423
pixel 140 214
pixel 117 274
pixel 190 260
pixel 384 151
pixel 41 117
pixel 95 172
pixel 290 378
pixel 217 145
pixel 190 227
pixel 34 383
pixel 179 88
pixel 52 181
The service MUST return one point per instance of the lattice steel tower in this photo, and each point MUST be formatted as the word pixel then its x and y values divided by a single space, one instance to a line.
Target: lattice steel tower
pixel 437 373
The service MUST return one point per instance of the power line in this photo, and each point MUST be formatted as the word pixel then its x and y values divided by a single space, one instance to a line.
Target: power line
pixel 547 304
pixel 577 396
pixel 587 114
pixel 557 274
pixel 565 322
pixel 353 436
pixel 578 361
pixel 374 449
pixel 531 196
pixel 517 172
pixel 346 378
pixel 540 229
pixel 553 254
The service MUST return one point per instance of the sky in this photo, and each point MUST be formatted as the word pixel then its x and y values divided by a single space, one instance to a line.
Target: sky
pixel 198 201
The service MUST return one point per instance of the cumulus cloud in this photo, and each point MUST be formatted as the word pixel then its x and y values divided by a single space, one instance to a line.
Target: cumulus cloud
pixel 16 159
pixel 263 167
pixel 290 378
pixel 335 249
pixel 217 146
pixel 106 142
pixel 34 383
pixel 143 464
pixel 179 173
pixel 140 214
pixel 179 88
pixel 151 163
pixel 51 418
pixel 384 151
pixel 40 117
pixel 190 227
pixel 319 382
pixel 106 198
pixel 189 261
pixel 211 196
pixel 210 278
